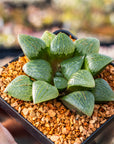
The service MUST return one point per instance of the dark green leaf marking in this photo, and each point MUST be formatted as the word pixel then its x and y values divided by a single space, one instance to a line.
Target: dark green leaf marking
pixel 21 88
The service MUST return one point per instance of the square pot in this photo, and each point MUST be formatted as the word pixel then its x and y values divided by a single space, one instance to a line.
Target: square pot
pixel 97 137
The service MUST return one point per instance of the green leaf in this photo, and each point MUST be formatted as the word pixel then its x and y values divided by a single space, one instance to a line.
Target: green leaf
pixel 95 63
pixel 60 83
pixel 42 91
pixel 58 74
pixel 62 45
pixel 81 79
pixel 47 37
pixel 38 69
pixel 86 46
pixel 21 88
pixel 31 46
pixel 102 91
pixel 79 101
pixel 72 65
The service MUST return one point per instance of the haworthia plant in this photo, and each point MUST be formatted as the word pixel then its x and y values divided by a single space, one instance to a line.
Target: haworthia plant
pixel 102 91
pixel 72 65
pixel 81 79
pixel 85 46
pixel 31 46
pixel 79 101
pixel 47 37
pixel 60 82
pixel 38 69
pixel 69 67
pixel 21 88
pixel 43 91
pixel 96 62
pixel 62 45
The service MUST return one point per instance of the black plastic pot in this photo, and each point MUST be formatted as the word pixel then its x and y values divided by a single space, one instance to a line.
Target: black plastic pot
pixel 103 135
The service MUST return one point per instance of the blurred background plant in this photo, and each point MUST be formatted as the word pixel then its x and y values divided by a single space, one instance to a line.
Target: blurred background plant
pixel 81 17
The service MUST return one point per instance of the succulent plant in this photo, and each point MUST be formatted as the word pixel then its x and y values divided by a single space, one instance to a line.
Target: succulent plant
pixel 57 64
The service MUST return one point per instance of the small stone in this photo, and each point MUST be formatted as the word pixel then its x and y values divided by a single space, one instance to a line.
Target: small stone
pixel 91 126
pixel 19 109
pixel 32 114
pixel 92 121
pixel 14 104
pixel 81 128
pixel 64 131
pixel 77 141
pixel 58 104
pixel 54 138
pixel 25 111
pixel 51 113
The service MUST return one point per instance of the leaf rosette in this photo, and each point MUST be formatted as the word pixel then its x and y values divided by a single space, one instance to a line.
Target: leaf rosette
pixel 57 64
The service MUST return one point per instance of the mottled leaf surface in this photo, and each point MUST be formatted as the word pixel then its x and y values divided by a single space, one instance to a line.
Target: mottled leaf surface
pixel 72 65
pixel 96 62
pixel 31 46
pixel 47 37
pixel 43 91
pixel 21 88
pixel 62 45
pixel 79 101
pixel 86 46
pixel 102 91
pixel 60 83
pixel 38 69
pixel 81 78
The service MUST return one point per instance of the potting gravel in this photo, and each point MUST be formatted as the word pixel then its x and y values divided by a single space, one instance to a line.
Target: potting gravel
pixel 52 118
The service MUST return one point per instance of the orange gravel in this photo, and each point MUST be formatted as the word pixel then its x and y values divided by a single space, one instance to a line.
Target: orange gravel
pixel 52 118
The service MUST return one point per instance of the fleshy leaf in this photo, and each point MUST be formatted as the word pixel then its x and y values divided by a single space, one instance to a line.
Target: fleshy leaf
pixel 58 74
pixel 95 63
pixel 86 46
pixel 43 91
pixel 72 65
pixel 60 83
pixel 102 91
pixel 31 46
pixel 79 101
pixel 20 88
pixel 38 69
pixel 47 37
pixel 62 45
pixel 81 79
